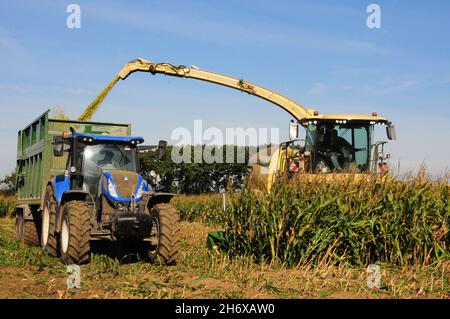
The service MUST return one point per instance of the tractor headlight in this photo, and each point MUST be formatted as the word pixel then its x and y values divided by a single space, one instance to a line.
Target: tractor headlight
pixel 140 190
pixel 112 190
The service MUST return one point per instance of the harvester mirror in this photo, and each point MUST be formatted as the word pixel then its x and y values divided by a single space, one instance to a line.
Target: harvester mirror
pixel 162 150
pixel 293 130
pixel 390 131
pixel 58 146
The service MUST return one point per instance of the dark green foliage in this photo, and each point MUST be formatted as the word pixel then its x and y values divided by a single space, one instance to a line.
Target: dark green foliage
pixel 197 178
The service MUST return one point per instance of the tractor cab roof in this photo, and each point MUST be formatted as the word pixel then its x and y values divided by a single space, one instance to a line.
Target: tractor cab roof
pixel 93 138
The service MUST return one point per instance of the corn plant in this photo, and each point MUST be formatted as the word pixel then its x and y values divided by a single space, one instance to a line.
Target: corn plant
pixel 7 205
pixel 345 221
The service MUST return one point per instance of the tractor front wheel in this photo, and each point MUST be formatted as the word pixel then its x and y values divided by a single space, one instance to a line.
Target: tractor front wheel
pixel 165 234
pixel 75 233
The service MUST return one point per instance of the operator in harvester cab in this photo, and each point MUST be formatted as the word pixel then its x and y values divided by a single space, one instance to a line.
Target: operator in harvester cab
pixel 294 163
pixel 338 147
pixel 107 161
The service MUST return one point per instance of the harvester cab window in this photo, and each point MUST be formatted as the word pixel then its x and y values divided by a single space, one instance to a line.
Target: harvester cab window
pixel 311 134
pixel 342 147
pixel 361 147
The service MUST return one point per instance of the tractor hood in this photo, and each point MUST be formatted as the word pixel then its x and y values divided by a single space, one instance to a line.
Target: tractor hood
pixel 120 185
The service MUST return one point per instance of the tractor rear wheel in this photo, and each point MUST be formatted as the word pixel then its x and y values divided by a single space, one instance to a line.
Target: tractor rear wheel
pixel 165 234
pixel 75 238
pixel 49 241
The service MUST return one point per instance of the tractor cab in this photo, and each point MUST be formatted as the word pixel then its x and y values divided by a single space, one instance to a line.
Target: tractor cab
pixel 102 164
pixel 111 158
pixel 104 171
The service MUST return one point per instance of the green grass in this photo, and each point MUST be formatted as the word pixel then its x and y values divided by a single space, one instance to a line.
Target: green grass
pixel 103 264
pixel 13 253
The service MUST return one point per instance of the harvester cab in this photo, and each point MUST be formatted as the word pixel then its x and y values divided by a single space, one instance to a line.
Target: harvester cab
pixel 332 144
pixel 340 144
pixel 103 195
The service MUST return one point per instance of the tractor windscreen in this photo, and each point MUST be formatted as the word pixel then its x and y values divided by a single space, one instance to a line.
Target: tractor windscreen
pixel 339 147
pixel 108 156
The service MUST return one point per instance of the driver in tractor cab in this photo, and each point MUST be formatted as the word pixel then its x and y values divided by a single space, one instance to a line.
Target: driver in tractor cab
pixel 106 162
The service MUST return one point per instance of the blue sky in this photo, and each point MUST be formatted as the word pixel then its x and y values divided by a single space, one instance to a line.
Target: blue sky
pixel 319 53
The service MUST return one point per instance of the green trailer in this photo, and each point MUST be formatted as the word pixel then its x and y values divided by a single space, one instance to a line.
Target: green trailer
pixel 79 182
pixel 36 165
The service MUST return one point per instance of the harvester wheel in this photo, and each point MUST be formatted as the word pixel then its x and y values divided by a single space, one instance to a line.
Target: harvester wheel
pixel 49 241
pixel 165 234
pixel 75 247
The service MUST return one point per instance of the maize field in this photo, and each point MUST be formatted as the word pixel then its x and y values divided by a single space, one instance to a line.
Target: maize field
pixel 7 205
pixel 205 209
pixel 305 221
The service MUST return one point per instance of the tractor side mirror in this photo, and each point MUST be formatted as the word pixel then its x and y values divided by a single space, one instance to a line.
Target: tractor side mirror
pixel 142 167
pixel 58 146
pixel 293 130
pixel 390 131
pixel 162 150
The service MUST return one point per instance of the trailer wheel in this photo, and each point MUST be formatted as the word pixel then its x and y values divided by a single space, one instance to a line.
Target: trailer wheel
pixel 26 231
pixel 49 242
pixel 165 234
pixel 75 233
pixel 30 233
pixel 19 226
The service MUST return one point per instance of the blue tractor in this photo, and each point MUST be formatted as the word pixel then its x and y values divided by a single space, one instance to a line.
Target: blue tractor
pixel 102 196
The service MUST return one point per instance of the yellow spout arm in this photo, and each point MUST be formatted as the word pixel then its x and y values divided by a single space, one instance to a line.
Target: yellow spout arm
pixel 141 65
